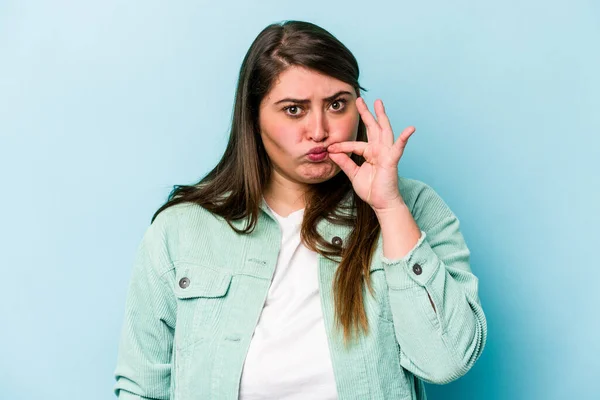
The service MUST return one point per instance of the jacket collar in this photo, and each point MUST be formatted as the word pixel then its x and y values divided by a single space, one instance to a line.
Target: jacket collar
pixel 324 227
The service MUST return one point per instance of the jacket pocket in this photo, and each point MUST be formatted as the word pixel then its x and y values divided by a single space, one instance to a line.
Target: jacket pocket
pixel 202 295
pixel 200 281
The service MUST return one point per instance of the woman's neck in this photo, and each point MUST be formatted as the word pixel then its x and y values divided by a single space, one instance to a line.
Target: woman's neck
pixel 285 197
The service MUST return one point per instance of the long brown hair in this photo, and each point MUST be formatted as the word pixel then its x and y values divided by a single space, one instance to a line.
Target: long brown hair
pixel 233 189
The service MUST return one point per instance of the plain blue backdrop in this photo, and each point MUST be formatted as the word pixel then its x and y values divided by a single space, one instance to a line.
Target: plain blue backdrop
pixel 104 105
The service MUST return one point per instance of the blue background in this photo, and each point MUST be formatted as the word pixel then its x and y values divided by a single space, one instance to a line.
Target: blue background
pixel 104 105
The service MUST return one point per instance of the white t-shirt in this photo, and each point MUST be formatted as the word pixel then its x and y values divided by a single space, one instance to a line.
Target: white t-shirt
pixel 289 357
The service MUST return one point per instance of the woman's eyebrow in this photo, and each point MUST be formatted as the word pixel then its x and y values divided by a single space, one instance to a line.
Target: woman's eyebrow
pixel 305 101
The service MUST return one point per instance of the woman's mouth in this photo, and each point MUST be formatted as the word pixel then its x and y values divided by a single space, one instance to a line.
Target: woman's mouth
pixel 317 154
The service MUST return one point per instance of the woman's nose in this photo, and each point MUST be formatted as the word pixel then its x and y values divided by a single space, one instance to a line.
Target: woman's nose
pixel 318 128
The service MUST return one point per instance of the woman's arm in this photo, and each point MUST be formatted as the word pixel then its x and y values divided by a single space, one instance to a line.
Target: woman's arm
pixel 439 322
pixel 143 368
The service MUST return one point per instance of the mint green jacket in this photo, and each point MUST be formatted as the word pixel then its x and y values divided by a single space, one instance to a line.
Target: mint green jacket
pixel 197 290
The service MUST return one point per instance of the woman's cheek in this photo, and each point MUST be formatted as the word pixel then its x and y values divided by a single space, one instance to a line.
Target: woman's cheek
pixel 284 137
pixel 348 128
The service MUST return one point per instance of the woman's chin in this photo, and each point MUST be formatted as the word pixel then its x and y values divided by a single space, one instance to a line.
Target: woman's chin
pixel 317 173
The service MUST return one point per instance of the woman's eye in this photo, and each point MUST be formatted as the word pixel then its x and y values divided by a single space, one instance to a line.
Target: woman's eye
pixel 296 111
pixel 292 110
pixel 338 104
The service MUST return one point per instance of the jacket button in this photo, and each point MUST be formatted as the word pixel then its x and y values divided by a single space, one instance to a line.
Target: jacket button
pixel 184 282
pixel 417 269
pixel 337 241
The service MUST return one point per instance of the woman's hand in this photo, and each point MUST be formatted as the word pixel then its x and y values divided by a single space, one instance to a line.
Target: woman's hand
pixel 376 180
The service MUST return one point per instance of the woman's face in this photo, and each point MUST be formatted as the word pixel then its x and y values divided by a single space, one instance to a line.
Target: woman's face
pixel 305 112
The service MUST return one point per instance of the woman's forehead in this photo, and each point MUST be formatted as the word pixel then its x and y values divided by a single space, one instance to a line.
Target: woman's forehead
pixel 303 83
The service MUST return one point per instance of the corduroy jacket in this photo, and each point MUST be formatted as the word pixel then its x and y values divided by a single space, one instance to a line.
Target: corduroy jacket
pixel 197 290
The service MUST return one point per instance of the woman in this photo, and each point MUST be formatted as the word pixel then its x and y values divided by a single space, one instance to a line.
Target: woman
pixel 302 266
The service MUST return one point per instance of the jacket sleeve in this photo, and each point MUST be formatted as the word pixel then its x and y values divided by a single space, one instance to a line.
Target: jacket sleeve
pixel 143 368
pixel 437 345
